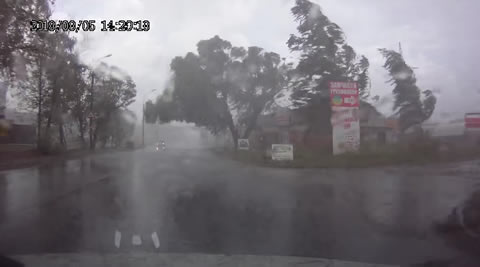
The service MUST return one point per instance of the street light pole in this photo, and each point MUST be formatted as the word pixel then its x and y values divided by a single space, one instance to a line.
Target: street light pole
pixel 143 115
pixel 91 115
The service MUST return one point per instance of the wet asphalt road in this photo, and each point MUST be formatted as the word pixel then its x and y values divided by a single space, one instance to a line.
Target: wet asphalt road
pixel 197 202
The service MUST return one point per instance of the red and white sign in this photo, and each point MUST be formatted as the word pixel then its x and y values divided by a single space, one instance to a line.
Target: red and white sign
pixel 344 94
pixel 346 130
pixel 345 102
pixel 472 121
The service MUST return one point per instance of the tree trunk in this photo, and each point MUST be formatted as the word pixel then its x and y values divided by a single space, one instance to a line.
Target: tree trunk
pixel 233 131
pixel 251 125
pixel 234 134
pixel 230 123
pixel 91 137
pixel 94 139
pixel 40 100
pixel 306 134
pixel 81 129
pixel 49 123
pixel 61 134
pixel 53 107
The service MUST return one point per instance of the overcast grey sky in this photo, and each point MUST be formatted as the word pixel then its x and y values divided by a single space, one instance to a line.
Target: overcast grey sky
pixel 440 38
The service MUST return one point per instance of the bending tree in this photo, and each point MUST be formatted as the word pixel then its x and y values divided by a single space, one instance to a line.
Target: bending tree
pixel 258 77
pixel 46 82
pixel 114 91
pixel 16 38
pixel 324 56
pixel 17 41
pixel 223 87
pixel 49 77
pixel 409 107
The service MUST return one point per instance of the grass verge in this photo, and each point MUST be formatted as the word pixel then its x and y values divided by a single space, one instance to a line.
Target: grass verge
pixel 362 159
pixel 32 158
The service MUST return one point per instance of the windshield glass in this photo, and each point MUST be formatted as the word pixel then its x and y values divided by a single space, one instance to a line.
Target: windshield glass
pixel 345 130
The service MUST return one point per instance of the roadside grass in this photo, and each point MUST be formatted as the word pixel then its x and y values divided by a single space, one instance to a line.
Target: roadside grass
pixel 34 157
pixel 387 156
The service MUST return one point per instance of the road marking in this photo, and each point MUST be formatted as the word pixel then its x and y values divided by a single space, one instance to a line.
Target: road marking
pixel 155 240
pixel 118 238
pixel 136 240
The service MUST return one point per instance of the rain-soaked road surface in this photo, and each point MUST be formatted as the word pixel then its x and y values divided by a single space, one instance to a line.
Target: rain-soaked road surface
pixel 196 202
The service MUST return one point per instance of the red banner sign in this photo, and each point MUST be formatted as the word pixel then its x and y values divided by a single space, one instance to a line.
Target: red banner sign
pixel 472 120
pixel 344 94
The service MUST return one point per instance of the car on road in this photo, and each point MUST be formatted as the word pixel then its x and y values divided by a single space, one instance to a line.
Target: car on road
pixel 160 146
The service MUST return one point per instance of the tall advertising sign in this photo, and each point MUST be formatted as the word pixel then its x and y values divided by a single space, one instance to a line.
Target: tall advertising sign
pixel 345 102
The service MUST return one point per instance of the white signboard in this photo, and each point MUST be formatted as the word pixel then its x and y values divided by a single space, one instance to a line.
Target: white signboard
pixel 282 152
pixel 345 130
pixel 243 144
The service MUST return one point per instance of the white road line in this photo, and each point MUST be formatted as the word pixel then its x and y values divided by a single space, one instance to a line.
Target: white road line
pixel 136 240
pixel 155 240
pixel 118 238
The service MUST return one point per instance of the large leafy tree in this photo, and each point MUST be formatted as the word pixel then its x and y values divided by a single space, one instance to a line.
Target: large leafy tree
pixel 47 80
pixel 197 98
pixel 58 86
pixel 50 78
pixel 16 39
pixel 119 127
pixel 77 96
pixel 114 92
pixel 324 56
pixel 412 105
pixel 258 77
pixel 222 87
pixel 31 90
pixel 17 42
pixel 58 74
pixel 163 110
